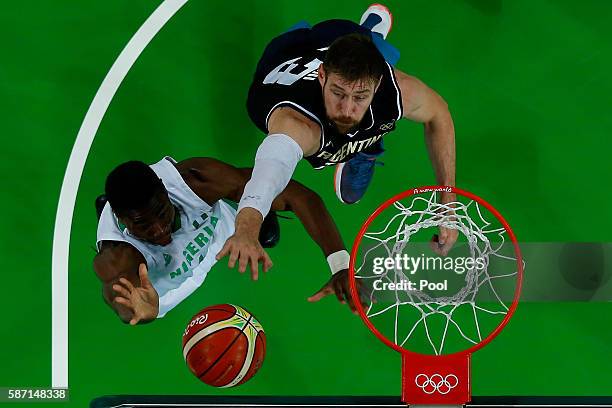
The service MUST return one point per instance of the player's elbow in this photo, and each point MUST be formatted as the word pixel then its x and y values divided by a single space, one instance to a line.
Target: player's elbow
pixel 440 116
pixel 440 101
pixel 438 104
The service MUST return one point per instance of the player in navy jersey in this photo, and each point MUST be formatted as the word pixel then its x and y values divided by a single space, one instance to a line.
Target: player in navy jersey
pixel 328 94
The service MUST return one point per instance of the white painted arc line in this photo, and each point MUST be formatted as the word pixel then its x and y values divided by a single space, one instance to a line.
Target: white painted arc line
pixel 72 178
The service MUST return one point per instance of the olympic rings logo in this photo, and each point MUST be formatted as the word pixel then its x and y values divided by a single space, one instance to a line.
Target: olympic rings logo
pixel 387 126
pixel 436 382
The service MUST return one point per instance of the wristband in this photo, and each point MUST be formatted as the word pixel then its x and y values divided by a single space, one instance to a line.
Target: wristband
pixel 338 261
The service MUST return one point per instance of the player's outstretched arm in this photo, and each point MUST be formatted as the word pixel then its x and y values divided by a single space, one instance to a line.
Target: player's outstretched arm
pixel 212 180
pixel 291 136
pixel 125 284
pixel 422 104
pixel 310 209
pixel 318 222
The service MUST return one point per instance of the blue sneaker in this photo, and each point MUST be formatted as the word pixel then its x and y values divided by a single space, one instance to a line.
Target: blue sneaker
pixel 352 178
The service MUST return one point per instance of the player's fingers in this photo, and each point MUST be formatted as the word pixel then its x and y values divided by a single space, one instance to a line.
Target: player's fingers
pixel 144 276
pixel 138 316
pixel 253 264
pixel 434 245
pixel 443 243
pixel 326 290
pixel 243 261
pixel 254 267
pixel 224 251
pixel 351 305
pixel 338 292
pixel 267 262
pixel 121 290
pixel 448 237
pixel 365 295
pixel 350 302
pixel 316 297
pixel 348 295
pixel 450 240
pixel 365 299
pixel 234 253
pixel 442 236
pixel 125 302
pixel 127 284
pixel 445 249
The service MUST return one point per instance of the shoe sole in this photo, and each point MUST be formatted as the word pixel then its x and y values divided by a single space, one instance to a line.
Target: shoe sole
pixel 337 180
pixel 384 9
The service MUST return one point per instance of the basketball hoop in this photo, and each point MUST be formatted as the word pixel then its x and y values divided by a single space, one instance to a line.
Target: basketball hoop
pixel 436 327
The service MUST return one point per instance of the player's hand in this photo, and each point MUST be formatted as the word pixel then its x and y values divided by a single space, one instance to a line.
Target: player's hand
pixel 143 301
pixel 443 242
pixel 248 252
pixel 339 285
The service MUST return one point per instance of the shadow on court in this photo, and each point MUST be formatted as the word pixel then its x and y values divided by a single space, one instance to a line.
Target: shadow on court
pixel 488 7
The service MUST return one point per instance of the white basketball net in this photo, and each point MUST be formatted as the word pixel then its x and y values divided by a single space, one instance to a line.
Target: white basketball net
pixel 467 218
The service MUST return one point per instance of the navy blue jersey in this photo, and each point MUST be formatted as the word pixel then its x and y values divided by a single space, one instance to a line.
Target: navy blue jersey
pixel 286 75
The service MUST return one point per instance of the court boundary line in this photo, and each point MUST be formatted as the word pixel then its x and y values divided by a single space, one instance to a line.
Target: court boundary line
pixel 72 177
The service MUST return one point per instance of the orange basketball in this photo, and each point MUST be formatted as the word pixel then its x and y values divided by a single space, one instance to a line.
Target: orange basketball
pixel 224 345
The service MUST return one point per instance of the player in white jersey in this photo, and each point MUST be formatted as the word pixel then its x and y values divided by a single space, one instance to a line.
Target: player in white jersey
pixel 163 225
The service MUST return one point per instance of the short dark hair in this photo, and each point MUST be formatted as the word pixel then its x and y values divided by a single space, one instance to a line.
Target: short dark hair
pixel 354 57
pixel 131 186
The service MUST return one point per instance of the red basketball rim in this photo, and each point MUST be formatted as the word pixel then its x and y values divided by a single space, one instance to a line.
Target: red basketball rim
pixel 406 194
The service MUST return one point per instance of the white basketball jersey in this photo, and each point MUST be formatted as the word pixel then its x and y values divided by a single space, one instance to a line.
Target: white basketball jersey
pixel 179 268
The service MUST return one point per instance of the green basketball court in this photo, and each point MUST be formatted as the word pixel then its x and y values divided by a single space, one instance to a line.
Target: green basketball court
pixel 527 86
